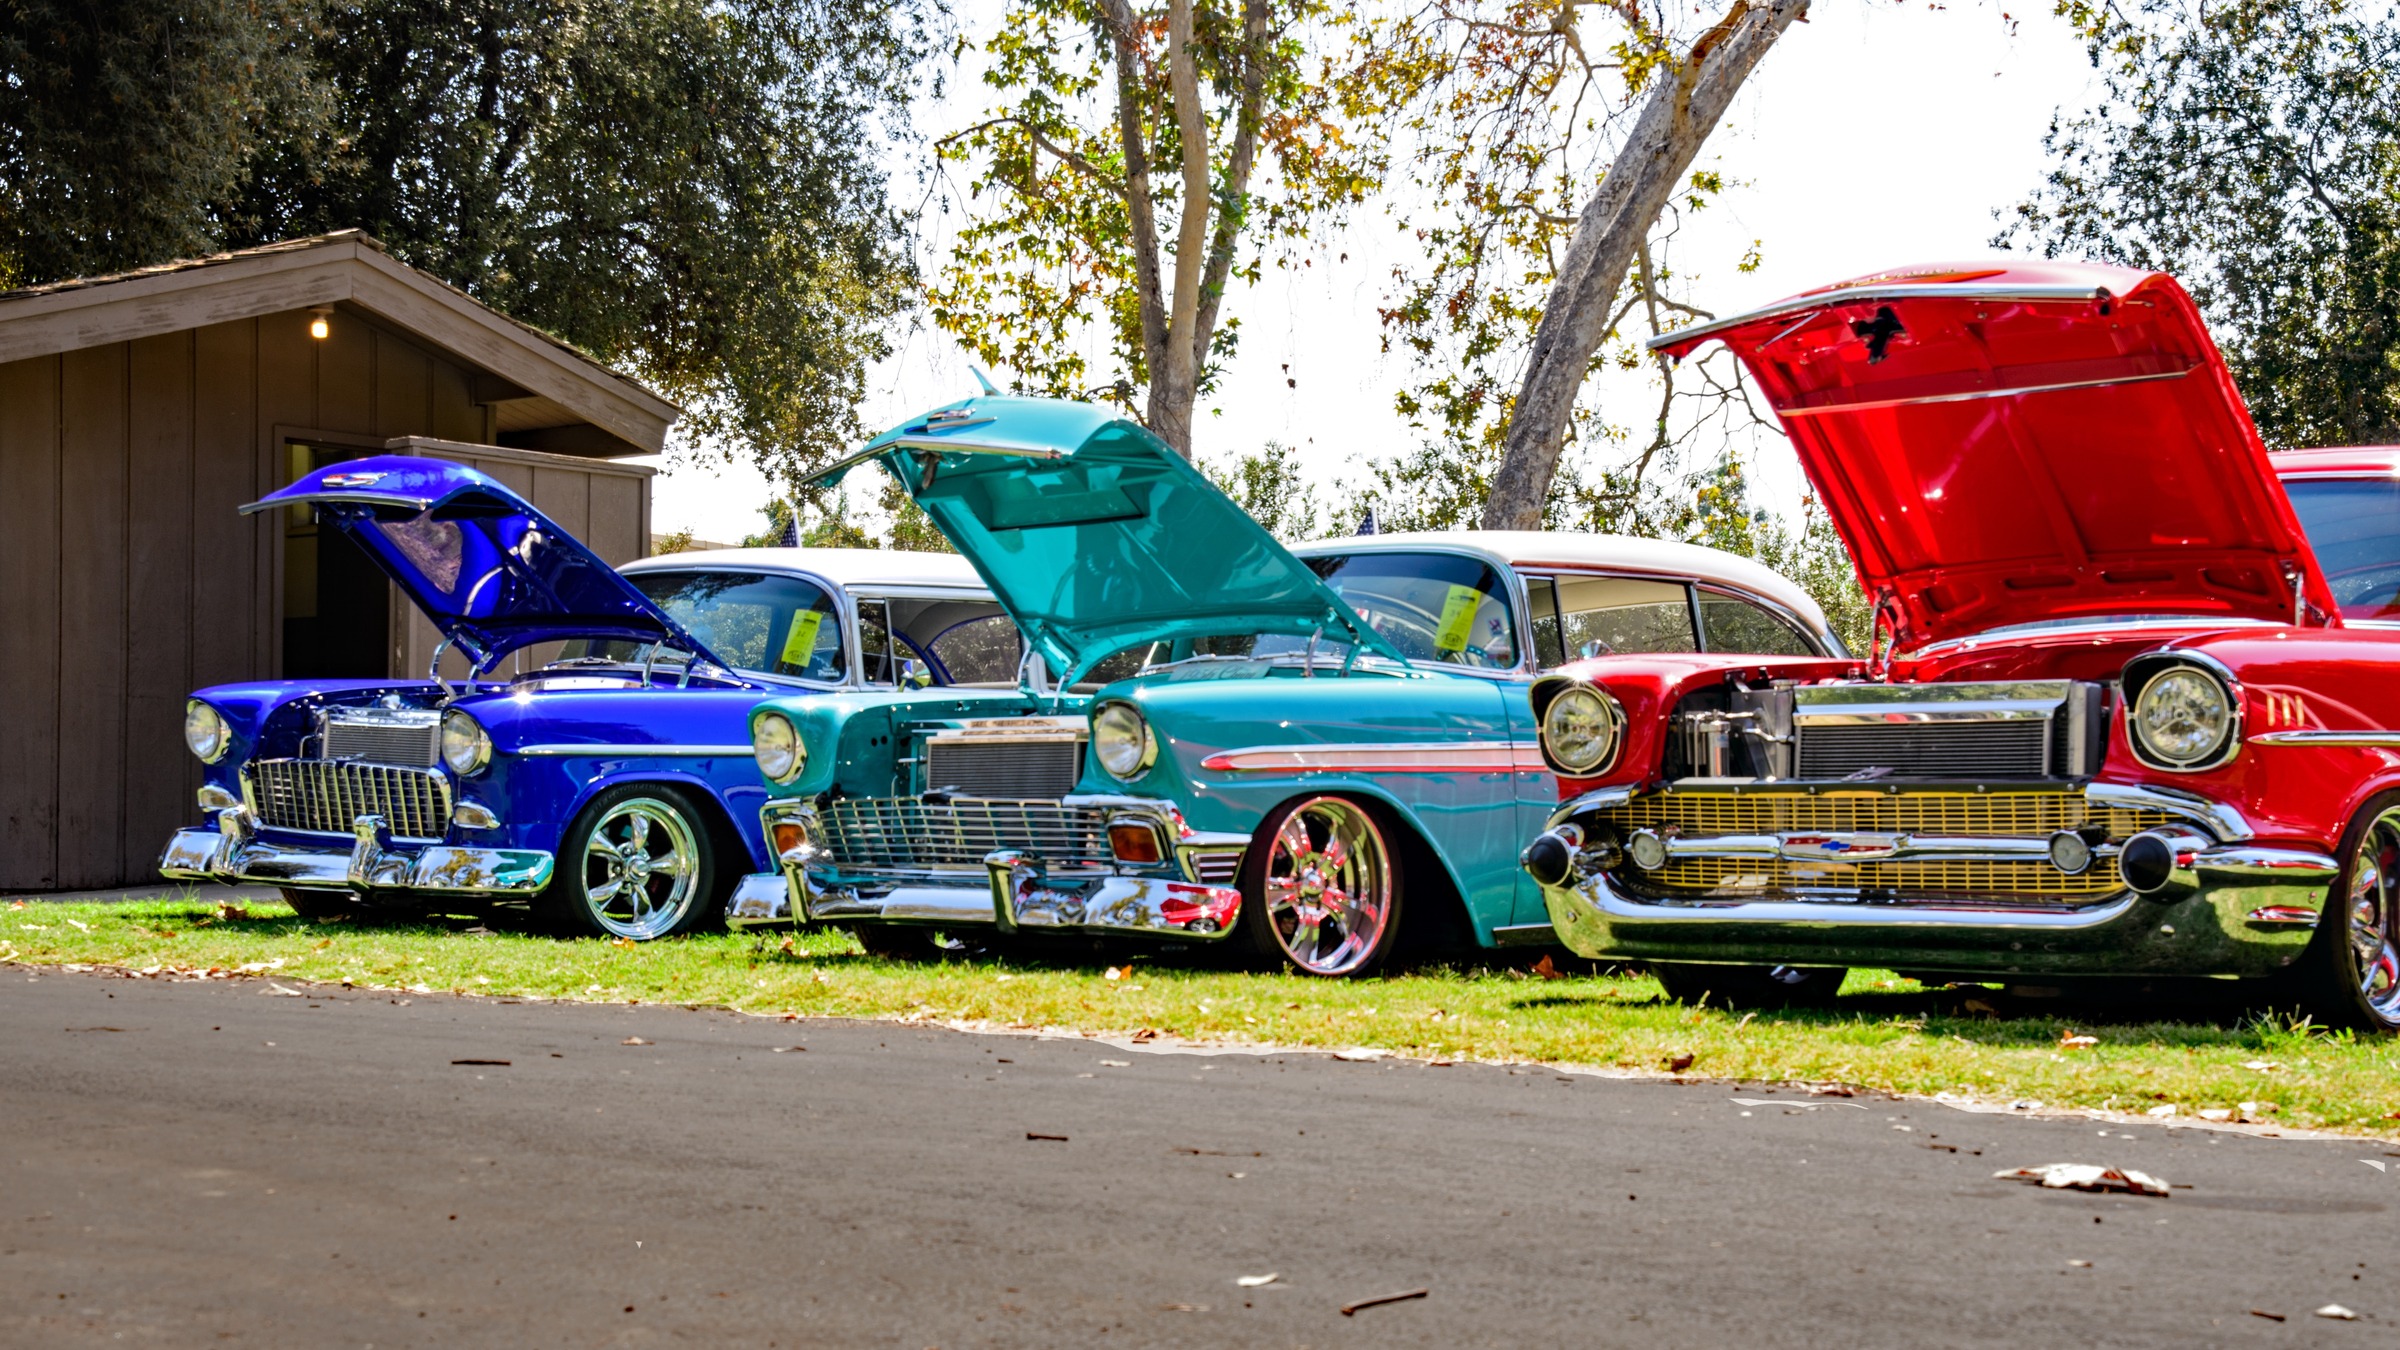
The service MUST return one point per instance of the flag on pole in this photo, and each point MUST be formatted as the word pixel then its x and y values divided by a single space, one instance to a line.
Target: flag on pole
pixel 790 538
pixel 1367 524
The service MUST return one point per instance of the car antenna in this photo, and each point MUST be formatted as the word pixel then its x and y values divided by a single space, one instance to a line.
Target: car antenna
pixel 982 379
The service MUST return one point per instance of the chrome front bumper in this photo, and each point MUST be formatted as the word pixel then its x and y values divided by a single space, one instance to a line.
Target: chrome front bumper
pixel 232 853
pixel 1015 891
pixel 2227 907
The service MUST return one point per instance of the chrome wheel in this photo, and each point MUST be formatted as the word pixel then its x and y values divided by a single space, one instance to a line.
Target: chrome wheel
pixel 1327 887
pixel 641 869
pixel 2369 906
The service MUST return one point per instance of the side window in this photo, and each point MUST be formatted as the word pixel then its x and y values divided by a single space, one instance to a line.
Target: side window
pixel 876 665
pixel 1603 616
pixel 1549 648
pixel 1736 625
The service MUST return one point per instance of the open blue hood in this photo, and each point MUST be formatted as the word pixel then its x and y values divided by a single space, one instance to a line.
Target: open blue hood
pixel 490 571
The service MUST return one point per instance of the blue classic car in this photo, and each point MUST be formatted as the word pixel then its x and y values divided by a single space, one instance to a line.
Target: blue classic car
pixel 613 785
pixel 1319 748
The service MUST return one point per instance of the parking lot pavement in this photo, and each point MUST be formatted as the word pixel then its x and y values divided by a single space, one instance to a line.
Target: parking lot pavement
pixel 229 1163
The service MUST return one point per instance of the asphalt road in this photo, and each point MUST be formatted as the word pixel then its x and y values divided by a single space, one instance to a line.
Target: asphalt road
pixel 221 1164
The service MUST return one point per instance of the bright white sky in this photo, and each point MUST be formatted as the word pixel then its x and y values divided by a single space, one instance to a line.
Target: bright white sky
pixel 1875 135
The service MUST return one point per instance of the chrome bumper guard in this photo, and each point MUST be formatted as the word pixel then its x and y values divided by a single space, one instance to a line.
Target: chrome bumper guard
pixel 1016 891
pixel 232 853
pixel 2199 899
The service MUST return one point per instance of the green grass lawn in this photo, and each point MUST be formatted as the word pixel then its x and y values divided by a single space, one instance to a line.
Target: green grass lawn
pixel 1887 1033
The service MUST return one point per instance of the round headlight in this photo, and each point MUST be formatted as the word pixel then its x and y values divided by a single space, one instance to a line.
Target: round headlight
pixel 777 747
pixel 1122 741
pixel 1579 730
pixel 2183 716
pixel 204 731
pixel 466 747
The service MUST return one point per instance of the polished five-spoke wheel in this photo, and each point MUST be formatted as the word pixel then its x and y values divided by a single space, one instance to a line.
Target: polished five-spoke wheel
pixel 635 865
pixel 1322 893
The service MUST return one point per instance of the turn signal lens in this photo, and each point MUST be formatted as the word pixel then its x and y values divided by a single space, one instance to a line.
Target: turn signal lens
pixel 466 747
pixel 1133 842
pixel 777 747
pixel 2183 716
pixel 789 835
pixel 204 731
pixel 1579 730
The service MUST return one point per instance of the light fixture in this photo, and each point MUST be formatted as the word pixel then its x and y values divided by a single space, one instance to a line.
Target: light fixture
pixel 320 322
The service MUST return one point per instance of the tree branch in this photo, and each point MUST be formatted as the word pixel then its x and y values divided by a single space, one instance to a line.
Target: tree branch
pixel 1117 17
pixel 1234 205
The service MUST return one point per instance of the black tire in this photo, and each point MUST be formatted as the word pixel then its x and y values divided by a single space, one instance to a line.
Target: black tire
pixel 1749 988
pixel 318 906
pixel 1305 850
pixel 647 900
pixel 2350 974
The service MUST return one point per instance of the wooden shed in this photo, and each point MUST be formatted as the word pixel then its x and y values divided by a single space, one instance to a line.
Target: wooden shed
pixel 137 414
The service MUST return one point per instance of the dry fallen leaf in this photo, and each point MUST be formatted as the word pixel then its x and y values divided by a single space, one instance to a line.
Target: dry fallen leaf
pixel 1118 973
pixel 1680 1062
pixel 1360 1054
pixel 2217 1114
pixel 1255 1281
pixel 624 942
pixel 2087 1177
pixel 1145 1036
pixel 228 910
pixel 1547 970
pixel 633 1040
pixel 2161 1112
pixel 2071 1039
pixel 2337 1312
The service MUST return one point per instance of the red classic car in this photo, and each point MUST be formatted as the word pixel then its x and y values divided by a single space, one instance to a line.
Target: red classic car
pixel 2121 718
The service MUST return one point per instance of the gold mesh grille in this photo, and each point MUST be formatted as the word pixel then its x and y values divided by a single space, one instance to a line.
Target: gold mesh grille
pixel 2018 814
pixel 2036 814
pixel 1945 877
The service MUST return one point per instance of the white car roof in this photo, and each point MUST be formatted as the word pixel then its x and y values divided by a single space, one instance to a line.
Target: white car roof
pixel 1539 549
pixel 845 567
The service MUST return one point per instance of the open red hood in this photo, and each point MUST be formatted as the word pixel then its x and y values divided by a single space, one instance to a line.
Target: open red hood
pixel 2007 443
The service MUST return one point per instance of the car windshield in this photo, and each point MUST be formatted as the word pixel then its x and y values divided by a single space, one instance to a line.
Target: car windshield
pixel 2353 526
pixel 762 623
pixel 1441 607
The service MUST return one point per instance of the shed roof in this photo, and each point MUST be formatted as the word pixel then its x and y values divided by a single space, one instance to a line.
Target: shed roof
pixel 347 266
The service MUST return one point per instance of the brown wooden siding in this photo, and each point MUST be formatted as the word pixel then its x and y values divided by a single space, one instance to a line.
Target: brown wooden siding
pixel 128 578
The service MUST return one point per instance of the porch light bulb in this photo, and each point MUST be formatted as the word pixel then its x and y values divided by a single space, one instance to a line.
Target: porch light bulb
pixel 320 324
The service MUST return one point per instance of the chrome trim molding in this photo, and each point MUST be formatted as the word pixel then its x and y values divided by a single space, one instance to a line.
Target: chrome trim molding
pixel 758 899
pixel 2383 740
pixel 633 751
pixel 1870 294
pixel 1394 757
pixel 2222 819
pixel 1964 396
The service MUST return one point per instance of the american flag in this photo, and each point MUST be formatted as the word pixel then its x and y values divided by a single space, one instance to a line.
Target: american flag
pixel 790 538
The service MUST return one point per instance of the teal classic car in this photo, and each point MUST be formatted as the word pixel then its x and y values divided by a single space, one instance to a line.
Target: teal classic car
pixel 1315 752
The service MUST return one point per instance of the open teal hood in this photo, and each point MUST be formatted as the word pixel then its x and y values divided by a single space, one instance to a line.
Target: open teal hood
pixel 1096 535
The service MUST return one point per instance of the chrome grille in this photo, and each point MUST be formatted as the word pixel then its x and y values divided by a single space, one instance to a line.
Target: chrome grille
pixel 903 834
pixel 328 795
pixel 1008 770
pixel 2017 748
pixel 385 735
pixel 2018 815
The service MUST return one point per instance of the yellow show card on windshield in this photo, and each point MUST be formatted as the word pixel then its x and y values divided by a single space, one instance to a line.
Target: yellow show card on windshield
pixel 1458 619
pixel 801 643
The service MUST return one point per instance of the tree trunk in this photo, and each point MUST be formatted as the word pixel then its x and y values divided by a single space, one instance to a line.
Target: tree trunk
pixel 1683 109
pixel 1175 383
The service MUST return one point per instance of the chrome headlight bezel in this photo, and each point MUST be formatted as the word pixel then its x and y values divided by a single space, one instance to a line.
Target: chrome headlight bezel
pixel 780 754
pixel 2159 689
pixel 205 733
pixel 1122 742
pixel 1584 710
pixel 466 746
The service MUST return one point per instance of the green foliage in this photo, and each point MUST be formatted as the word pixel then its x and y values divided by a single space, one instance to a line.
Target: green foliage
pixel 680 541
pixel 1073 190
pixel 127 126
pixel 1278 493
pixel 688 188
pixel 907 528
pixel 2253 149
pixel 1507 114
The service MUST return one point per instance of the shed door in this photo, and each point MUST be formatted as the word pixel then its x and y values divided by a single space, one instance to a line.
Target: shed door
pixel 337 604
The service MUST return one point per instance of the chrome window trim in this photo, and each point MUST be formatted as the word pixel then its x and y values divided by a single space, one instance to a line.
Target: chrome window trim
pixel 553 751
